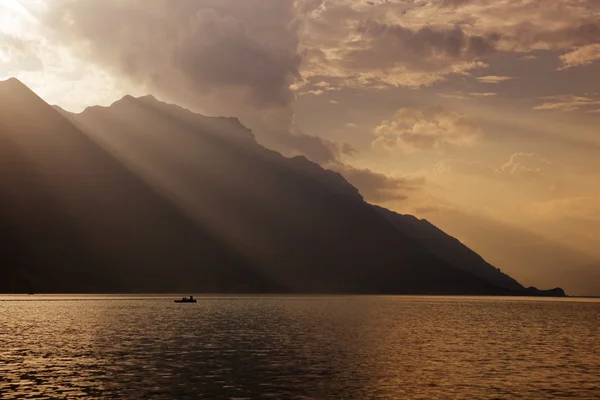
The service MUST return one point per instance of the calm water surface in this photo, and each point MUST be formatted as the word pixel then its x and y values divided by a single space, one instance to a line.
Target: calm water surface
pixel 298 348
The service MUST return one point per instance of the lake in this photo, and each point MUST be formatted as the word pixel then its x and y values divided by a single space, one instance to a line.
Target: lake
pixel 305 347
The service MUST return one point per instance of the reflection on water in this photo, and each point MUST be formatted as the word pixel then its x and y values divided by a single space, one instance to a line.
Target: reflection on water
pixel 298 347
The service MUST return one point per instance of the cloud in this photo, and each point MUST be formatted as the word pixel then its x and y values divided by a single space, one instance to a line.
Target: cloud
pixel 454 3
pixel 511 185
pixel 454 96
pixel 530 175
pixel 519 165
pixel 447 166
pixel 522 26
pixel 218 57
pixel 251 58
pixel 380 188
pixel 317 149
pixel 18 55
pixel 584 55
pixel 420 43
pixel 352 44
pixel 417 129
pixel 576 32
pixel 428 41
pixel 567 102
pixel 483 94
pixel 355 43
pixel 524 164
pixel 211 46
pixel 325 86
pixel 464 96
pixel 317 92
pixel 494 79
pixel 528 57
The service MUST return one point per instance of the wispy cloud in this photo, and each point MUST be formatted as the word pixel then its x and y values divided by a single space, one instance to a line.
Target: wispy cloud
pixel 567 102
pixel 464 96
pixel 529 57
pixel 494 79
pixel 483 94
pixel 584 55
pixel 417 129
pixel 317 92
pixel 455 96
pixel 380 188
pixel 524 163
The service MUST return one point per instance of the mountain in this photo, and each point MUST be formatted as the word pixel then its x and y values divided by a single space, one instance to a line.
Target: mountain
pixel 448 248
pixel 524 255
pixel 74 219
pixel 454 252
pixel 147 196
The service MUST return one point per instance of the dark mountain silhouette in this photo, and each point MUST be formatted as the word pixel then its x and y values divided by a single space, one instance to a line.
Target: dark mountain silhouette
pixel 146 196
pixel 454 252
pixel 448 248
pixel 527 256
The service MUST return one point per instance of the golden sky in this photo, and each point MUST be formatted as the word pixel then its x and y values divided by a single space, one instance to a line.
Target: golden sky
pixel 482 116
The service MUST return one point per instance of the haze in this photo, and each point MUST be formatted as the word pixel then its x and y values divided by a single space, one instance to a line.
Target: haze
pixel 480 116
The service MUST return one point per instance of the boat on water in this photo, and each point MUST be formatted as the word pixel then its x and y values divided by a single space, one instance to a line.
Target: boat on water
pixel 186 300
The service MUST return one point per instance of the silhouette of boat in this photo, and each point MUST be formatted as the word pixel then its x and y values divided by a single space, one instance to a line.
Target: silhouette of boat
pixel 186 300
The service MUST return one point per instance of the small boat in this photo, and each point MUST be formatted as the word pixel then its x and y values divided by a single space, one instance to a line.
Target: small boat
pixel 186 300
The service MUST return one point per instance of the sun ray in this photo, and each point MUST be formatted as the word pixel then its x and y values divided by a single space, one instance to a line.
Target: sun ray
pixel 14 14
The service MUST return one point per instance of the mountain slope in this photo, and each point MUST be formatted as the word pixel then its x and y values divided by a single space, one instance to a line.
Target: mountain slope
pixel 146 196
pixel 78 220
pixel 448 248
pixel 457 254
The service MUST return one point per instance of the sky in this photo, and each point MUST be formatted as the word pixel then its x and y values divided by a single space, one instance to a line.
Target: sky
pixel 481 116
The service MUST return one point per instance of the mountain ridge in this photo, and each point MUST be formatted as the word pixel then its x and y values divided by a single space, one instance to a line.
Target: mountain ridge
pixel 455 252
pixel 158 191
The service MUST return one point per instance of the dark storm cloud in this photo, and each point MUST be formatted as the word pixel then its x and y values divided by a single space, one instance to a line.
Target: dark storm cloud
pixel 380 53
pixel 428 41
pixel 206 44
pixel 222 57
pixel 531 25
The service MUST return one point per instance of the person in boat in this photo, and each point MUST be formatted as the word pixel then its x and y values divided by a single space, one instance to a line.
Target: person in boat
pixel 191 298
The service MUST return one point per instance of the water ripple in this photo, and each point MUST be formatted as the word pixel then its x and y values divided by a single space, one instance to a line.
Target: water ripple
pixel 298 348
